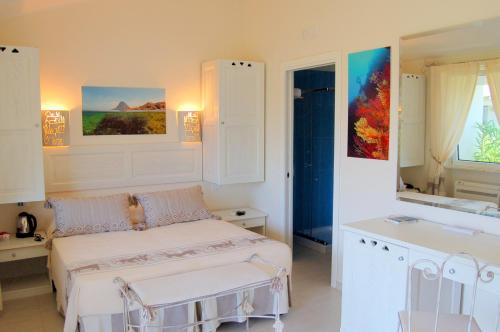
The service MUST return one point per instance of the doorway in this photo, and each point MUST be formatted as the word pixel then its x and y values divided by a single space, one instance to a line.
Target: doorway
pixel 317 224
pixel 313 155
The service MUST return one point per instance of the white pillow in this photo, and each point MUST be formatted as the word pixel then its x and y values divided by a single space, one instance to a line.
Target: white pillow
pixel 75 216
pixel 173 206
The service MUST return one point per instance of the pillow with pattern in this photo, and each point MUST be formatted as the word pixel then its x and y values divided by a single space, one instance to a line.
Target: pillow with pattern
pixel 173 206
pixel 75 216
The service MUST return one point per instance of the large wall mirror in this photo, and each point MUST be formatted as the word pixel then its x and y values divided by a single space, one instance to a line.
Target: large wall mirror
pixel 449 114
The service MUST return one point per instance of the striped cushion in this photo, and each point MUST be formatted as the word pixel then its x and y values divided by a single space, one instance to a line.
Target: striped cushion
pixel 75 216
pixel 173 206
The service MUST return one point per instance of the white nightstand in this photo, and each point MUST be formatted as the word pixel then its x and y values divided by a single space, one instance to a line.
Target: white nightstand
pixel 17 249
pixel 253 219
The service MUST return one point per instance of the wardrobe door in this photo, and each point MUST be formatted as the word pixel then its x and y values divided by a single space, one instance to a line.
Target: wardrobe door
pixel 242 122
pixel 373 284
pixel 21 166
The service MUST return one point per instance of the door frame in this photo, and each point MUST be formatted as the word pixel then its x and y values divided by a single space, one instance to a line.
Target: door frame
pixel 287 70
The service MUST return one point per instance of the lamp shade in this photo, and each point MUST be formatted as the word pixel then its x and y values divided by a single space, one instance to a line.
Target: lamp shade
pixel 55 128
pixel 189 126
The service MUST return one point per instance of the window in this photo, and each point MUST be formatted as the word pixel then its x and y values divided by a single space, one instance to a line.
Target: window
pixel 479 147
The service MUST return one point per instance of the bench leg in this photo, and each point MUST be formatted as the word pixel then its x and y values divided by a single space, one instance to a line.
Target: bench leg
pixel 278 324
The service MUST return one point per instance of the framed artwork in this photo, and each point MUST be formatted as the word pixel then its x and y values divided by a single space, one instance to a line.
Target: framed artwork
pixel 369 94
pixel 123 111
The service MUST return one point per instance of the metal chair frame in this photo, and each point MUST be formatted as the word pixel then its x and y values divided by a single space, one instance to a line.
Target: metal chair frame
pixel 436 273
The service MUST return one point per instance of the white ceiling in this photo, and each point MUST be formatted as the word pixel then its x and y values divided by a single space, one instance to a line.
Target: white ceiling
pixel 473 39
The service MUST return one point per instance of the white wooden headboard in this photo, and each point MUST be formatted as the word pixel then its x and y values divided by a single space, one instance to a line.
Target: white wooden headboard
pixel 90 167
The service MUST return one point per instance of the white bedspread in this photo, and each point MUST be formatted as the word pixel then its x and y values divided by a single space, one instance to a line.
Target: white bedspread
pixel 92 292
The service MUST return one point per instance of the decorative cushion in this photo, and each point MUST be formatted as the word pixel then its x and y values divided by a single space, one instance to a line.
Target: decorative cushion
pixel 173 206
pixel 75 216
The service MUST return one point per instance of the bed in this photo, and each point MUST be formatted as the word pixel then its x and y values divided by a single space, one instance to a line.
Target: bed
pixel 83 268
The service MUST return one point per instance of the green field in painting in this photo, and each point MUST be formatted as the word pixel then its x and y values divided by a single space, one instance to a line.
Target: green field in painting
pixel 123 123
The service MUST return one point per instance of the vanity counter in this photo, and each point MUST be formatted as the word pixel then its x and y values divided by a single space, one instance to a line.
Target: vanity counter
pixel 376 260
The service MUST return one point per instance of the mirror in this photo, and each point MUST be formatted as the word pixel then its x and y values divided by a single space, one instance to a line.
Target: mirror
pixel 449 114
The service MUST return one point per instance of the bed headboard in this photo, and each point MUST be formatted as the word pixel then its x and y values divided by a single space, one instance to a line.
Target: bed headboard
pixel 93 167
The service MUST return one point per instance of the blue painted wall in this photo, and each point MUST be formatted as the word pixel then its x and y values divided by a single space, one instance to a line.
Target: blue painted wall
pixel 313 152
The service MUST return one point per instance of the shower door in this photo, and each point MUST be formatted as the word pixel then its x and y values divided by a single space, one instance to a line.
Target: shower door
pixel 313 159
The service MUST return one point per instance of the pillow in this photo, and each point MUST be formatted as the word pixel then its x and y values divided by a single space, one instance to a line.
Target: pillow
pixel 75 216
pixel 173 206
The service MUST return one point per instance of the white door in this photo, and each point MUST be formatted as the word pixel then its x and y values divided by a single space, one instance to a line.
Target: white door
pixel 373 284
pixel 242 122
pixel 21 167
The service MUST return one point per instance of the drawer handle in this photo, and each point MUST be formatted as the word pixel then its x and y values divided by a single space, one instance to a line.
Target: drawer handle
pixel 374 243
pixel 386 248
pixel 244 224
pixel 13 254
pixel 362 241
pixel 452 271
pixel 401 258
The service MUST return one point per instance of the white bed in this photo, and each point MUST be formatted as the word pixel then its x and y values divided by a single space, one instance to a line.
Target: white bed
pixel 83 267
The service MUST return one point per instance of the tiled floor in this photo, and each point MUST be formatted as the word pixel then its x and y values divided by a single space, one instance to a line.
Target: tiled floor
pixel 316 306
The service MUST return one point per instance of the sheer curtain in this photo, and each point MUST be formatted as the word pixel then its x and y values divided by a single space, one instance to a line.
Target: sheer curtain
pixel 493 74
pixel 451 92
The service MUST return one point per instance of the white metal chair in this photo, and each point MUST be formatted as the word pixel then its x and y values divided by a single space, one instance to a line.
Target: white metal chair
pixel 420 321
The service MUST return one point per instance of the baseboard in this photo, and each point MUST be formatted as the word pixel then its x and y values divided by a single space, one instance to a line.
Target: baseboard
pixel 18 288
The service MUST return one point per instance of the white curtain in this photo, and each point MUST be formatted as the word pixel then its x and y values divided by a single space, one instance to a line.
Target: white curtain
pixel 493 74
pixel 451 92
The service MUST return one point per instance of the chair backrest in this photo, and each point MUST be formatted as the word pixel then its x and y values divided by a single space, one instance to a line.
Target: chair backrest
pixel 434 271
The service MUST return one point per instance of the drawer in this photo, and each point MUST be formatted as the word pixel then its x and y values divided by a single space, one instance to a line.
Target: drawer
pixel 22 253
pixel 376 246
pixel 249 223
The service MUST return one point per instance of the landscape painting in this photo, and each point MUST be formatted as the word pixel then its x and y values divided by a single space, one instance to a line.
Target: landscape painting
pixel 123 111
pixel 369 96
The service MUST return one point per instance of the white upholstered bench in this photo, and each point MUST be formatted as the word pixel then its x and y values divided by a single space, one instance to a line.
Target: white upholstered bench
pixel 151 295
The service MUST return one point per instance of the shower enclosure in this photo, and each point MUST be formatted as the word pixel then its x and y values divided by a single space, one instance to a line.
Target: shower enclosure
pixel 313 145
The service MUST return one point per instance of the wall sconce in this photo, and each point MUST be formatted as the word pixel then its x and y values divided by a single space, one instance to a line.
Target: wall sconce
pixel 55 128
pixel 189 126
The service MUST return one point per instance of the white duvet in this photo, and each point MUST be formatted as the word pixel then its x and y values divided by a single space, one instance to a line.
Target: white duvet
pixel 93 292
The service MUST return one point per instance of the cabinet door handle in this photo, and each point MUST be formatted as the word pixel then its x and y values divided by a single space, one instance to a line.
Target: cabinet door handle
pixel 374 243
pixel 386 248
pixel 452 271
pixel 401 258
pixel 13 255
pixel 362 241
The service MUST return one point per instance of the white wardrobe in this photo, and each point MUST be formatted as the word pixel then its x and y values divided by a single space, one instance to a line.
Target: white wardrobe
pixel 21 161
pixel 233 121
pixel 412 121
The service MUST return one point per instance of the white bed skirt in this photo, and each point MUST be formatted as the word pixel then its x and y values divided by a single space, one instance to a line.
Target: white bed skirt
pixel 223 306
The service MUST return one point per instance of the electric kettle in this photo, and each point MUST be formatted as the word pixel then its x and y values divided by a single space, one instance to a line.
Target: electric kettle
pixel 26 225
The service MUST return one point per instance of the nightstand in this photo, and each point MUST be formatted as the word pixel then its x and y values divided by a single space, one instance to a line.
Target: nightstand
pixel 17 249
pixel 253 219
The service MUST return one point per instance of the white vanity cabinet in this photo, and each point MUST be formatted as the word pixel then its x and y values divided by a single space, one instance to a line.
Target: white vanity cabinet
pixel 373 284
pixel 21 166
pixel 377 256
pixel 233 121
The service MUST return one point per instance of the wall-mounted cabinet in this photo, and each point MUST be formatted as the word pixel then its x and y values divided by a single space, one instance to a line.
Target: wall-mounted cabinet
pixel 21 162
pixel 412 121
pixel 233 121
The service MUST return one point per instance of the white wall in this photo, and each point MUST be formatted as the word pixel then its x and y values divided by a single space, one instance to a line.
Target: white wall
pixel 81 43
pixel 281 30
pixel 151 43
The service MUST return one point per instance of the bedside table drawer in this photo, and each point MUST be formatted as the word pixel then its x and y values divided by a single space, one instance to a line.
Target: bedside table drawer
pixel 22 253
pixel 249 223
